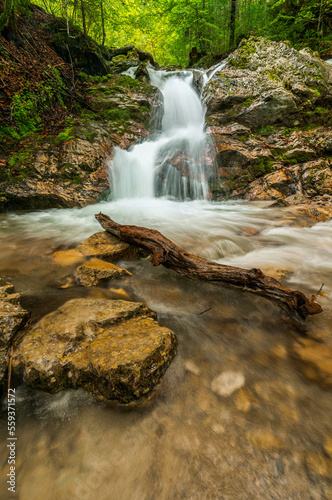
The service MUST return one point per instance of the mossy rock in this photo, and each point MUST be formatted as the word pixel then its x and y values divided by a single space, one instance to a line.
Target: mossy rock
pixel 78 50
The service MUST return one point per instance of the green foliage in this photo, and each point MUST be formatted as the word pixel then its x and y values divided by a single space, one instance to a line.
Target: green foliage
pixel 169 29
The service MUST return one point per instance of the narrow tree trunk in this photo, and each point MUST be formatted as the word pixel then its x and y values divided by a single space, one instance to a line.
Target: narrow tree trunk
pixel 83 17
pixel 67 19
pixel 102 22
pixel 167 253
pixel 232 24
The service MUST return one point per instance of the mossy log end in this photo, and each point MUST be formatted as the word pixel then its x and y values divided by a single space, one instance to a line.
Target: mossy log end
pixel 170 255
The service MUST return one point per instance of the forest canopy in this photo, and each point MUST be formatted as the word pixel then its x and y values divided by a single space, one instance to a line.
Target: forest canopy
pixel 170 29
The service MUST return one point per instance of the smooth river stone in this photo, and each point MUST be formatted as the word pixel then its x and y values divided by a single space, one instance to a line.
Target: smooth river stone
pixel 227 383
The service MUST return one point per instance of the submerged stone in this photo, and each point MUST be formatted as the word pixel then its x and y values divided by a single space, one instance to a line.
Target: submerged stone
pixel 69 257
pixel 227 383
pixel 315 360
pixel 113 349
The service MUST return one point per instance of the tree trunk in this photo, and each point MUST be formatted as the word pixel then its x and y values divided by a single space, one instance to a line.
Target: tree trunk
pixel 67 19
pixel 102 22
pixel 167 253
pixel 83 17
pixel 232 24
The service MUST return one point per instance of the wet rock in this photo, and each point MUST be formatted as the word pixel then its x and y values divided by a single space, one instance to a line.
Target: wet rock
pixel 191 367
pixel 242 401
pixel 198 81
pixel 69 257
pixel 12 319
pixel 265 440
pixel 96 272
pixel 315 361
pixel 307 185
pixel 328 446
pixel 227 383
pixel 115 350
pixel 107 247
pixel 281 397
pixel 319 465
pixel 275 392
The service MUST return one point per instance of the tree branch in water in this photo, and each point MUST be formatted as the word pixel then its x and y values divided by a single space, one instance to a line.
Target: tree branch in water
pixel 170 255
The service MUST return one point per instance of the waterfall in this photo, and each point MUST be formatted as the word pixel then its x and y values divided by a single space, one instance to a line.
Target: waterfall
pixel 171 165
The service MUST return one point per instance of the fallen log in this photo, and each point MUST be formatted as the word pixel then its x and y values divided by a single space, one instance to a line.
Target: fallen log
pixel 170 255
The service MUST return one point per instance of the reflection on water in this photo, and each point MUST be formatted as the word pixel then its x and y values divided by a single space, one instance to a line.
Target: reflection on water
pixel 268 440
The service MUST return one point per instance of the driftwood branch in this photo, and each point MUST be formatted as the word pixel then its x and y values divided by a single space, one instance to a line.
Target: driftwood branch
pixel 170 255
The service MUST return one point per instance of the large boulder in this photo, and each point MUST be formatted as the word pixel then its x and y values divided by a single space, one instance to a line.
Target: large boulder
pixel 12 319
pixel 113 349
pixel 264 83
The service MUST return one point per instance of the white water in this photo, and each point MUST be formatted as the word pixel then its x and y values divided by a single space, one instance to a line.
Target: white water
pixel 149 169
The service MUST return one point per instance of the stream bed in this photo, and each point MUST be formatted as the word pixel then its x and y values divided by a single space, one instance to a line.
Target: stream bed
pixel 270 439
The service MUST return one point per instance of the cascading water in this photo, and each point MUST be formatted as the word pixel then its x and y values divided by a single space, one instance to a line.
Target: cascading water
pixel 172 164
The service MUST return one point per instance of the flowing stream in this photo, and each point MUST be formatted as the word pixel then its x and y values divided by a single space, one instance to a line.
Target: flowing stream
pixel 266 441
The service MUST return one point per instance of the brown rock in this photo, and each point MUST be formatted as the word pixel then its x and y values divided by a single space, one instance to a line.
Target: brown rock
pixel 328 446
pixel 265 439
pixel 107 246
pixel 115 350
pixel 97 271
pixel 319 464
pixel 315 361
pixel 68 257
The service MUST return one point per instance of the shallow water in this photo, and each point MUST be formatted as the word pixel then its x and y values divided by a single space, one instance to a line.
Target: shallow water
pixel 265 441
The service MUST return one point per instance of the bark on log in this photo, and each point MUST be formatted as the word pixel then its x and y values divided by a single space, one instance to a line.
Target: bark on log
pixel 170 255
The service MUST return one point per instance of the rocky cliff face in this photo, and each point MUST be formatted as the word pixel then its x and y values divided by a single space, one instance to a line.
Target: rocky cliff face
pixel 269 111
pixel 70 170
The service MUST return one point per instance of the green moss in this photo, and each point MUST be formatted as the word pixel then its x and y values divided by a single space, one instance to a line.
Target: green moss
pixel 90 115
pixel 321 111
pixel 272 74
pixel 69 172
pixel 90 136
pixel 67 135
pixel 248 102
pixel 20 158
pixel 118 115
pixel 262 167
pixel 267 130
